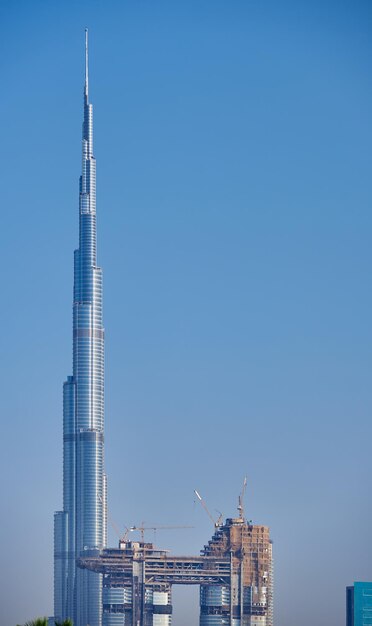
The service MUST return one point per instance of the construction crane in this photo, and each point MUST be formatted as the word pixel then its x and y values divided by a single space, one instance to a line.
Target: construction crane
pixel 215 523
pixel 241 499
pixel 142 529
pixel 124 538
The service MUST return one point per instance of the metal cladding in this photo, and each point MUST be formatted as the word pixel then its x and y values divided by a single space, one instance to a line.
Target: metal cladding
pixel 234 571
pixel 81 527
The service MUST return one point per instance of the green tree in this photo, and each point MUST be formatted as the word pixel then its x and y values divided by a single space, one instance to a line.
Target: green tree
pixel 43 621
pixel 40 621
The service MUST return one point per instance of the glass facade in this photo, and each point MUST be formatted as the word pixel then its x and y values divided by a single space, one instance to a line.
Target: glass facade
pixel 81 527
pixel 359 604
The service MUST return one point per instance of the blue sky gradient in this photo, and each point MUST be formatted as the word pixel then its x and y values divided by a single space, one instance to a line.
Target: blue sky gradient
pixel 233 144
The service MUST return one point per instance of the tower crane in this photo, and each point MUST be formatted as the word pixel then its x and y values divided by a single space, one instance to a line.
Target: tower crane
pixel 215 523
pixel 241 499
pixel 142 529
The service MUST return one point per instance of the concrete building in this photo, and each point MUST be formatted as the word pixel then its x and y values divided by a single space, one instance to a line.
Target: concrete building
pixel 248 599
pixel 234 572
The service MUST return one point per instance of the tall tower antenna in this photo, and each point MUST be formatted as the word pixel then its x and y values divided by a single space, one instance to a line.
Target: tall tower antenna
pixel 86 62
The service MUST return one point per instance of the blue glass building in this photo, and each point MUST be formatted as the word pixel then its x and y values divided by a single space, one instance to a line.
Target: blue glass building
pixel 81 526
pixel 359 604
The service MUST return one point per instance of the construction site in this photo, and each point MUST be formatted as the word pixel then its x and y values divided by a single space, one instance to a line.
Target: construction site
pixel 234 572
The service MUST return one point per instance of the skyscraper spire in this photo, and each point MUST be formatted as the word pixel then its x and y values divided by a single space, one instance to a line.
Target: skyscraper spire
pixel 81 525
pixel 86 64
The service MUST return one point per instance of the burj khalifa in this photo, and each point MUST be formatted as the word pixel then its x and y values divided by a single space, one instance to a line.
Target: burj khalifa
pixel 81 526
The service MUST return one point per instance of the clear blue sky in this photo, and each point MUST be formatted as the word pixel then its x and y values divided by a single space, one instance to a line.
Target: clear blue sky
pixel 233 143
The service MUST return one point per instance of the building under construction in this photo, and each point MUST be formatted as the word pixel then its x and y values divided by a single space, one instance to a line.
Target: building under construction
pixel 234 572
